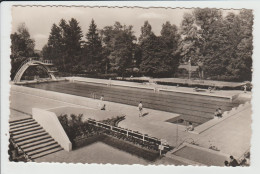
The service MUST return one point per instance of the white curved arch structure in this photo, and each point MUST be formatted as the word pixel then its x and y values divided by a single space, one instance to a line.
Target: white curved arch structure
pixel 33 62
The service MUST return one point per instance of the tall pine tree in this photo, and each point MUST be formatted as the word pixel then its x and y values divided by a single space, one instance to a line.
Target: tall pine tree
pixel 93 48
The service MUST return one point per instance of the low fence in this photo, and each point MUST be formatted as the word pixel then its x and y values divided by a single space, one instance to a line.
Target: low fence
pixel 162 144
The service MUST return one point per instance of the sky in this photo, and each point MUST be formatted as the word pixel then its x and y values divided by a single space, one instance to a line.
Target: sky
pixel 39 20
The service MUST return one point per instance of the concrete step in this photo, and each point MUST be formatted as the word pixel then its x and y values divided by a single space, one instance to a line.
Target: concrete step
pixel 40 146
pixel 28 134
pixel 35 139
pixel 21 121
pixel 24 128
pixel 31 136
pixel 36 142
pixel 47 148
pixel 22 125
pixel 46 153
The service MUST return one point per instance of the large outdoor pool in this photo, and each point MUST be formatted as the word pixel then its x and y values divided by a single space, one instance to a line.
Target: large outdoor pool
pixel 192 108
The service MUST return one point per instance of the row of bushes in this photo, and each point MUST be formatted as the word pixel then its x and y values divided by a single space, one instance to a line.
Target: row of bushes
pixel 76 129
pixel 113 121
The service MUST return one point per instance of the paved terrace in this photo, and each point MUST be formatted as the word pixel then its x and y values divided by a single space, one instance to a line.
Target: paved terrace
pixel 231 136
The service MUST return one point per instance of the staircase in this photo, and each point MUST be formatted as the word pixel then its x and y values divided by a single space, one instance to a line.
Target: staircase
pixel 32 139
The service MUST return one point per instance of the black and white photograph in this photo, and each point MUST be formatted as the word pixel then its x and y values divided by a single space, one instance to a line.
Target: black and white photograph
pixel 130 85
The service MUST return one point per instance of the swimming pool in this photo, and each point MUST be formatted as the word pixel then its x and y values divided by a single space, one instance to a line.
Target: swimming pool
pixel 195 108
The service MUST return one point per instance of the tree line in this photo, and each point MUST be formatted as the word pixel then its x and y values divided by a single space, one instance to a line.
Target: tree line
pixel 223 44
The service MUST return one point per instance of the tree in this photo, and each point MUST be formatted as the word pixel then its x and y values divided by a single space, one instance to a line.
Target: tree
pixel 223 44
pixel 53 50
pixel 119 46
pixel 159 53
pixel 93 46
pixel 138 55
pixel 21 43
pixel 170 35
pixel 241 61
pixel 190 44
pixel 146 31
pixel 73 35
pixel 22 47
pixel 157 60
pixel 64 45
pixel 108 42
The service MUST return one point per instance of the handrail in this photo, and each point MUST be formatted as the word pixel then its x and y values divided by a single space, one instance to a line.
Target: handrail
pixel 117 129
pixel 27 157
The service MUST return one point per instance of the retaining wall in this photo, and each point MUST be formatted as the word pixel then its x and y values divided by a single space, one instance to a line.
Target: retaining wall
pixel 215 121
pixel 50 122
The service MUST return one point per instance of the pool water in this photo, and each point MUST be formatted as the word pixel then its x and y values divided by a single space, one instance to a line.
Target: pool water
pixel 195 108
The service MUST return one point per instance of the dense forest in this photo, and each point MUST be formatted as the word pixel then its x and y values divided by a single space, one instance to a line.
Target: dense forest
pixel 223 45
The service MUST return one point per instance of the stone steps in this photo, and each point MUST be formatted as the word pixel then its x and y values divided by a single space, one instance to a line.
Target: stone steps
pixel 22 125
pixel 29 135
pixel 42 149
pixel 17 122
pixel 32 139
pixel 46 153
pixel 25 129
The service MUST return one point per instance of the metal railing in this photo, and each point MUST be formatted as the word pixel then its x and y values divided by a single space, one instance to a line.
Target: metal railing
pixel 127 132
pixel 46 61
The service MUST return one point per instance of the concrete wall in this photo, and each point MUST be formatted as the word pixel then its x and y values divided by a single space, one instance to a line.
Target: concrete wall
pixel 49 121
pixel 110 82
pixel 201 128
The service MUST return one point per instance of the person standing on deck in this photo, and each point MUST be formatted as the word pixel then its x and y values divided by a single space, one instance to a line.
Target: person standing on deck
pixel 245 88
pixel 102 104
pixel 140 108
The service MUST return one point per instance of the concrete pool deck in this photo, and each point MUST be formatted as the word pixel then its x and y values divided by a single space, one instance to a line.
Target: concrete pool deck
pixel 231 94
pixel 231 136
